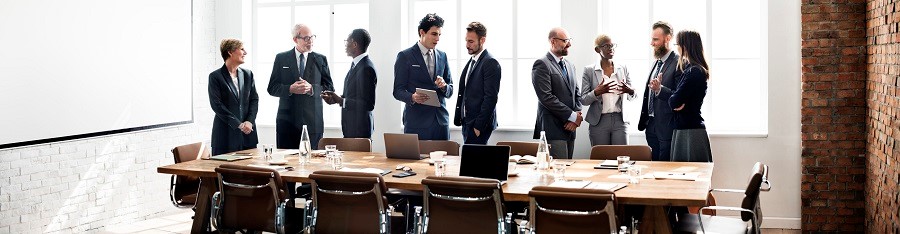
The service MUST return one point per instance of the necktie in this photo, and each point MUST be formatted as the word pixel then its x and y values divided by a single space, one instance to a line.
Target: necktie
pixel 565 75
pixel 429 61
pixel 462 85
pixel 302 64
pixel 652 96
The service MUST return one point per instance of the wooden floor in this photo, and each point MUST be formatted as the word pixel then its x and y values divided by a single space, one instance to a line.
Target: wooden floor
pixel 181 223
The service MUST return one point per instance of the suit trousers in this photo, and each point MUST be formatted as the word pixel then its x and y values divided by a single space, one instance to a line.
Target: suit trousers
pixel 436 133
pixel 287 136
pixel 659 137
pixel 562 149
pixel 610 130
pixel 470 138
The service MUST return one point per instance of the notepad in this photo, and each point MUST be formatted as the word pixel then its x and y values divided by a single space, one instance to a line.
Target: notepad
pixel 277 168
pixel 224 157
pixel 367 170
pixel 570 183
pixel 605 186
pixel 670 175
pixel 610 164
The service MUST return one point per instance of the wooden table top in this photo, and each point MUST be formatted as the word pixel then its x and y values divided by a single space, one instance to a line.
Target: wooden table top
pixel 648 192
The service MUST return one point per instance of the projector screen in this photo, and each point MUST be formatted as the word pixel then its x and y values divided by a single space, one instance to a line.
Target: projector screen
pixel 76 69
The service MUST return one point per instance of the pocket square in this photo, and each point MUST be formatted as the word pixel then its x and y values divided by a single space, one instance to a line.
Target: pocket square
pixel 284 67
pixel 416 65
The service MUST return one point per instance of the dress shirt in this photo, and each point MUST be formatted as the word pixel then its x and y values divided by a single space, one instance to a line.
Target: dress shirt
pixel 574 115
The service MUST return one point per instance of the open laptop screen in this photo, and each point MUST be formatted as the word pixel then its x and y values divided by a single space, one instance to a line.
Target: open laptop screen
pixel 484 161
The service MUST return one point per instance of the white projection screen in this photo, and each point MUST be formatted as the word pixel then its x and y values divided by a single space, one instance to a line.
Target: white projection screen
pixel 78 69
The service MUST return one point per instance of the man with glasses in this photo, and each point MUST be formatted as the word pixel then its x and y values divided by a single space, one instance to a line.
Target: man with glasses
pixel 299 76
pixel 479 86
pixel 424 67
pixel 358 99
pixel 656 114
pixel 559 112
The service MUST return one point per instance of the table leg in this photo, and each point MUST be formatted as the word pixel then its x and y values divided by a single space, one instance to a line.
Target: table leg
pixel 204 198
pixel 655 221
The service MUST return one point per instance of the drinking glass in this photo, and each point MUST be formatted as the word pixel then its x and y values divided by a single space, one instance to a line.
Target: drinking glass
pixel 559 170
pixel 623 162
pixel 337 160
pixel 440 167
pixel 634 173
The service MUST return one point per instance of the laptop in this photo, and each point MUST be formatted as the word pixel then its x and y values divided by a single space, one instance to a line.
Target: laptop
pixel 485 161
pixel 402 146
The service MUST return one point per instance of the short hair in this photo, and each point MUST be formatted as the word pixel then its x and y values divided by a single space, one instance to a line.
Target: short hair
pixel 554 32
pixel 478 28
pixel 229 45
pixel 431 20
pixel 665 26
pixel 361 37
pixel 296 31
pixel 602 38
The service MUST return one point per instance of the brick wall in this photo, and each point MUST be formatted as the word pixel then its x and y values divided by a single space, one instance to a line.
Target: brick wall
pixel 883 86
pixel 84 185
pixel 833 115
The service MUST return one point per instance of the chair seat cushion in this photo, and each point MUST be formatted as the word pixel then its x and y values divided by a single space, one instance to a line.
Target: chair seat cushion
pixel 711 224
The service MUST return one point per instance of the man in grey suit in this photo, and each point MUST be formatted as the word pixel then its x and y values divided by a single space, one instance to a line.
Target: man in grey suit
pixel 358 99
pixel 298 78
pixel 559 112
pixel 656 114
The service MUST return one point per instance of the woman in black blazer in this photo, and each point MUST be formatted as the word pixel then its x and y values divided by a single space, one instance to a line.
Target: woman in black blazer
pixel 690 142
pixel 233 97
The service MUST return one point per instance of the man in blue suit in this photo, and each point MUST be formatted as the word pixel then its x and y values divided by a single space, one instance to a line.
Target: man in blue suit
pixel 358 99
pixel 479 85
pixel 422 66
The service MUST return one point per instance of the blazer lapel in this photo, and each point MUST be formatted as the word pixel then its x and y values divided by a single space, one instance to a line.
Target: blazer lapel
pixel 226 79
pixel 418 59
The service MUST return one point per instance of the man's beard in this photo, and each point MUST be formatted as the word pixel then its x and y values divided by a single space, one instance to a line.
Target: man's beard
pixel 659 52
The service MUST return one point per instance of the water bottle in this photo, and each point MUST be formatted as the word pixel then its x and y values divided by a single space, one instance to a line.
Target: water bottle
pixel 543 153
pixel 305 147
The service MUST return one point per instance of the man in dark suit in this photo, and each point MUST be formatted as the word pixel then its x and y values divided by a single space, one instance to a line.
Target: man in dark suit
pixel 358 99
pixel 656 114
pixel 559 112
pixel 298 78
pixel 479 85
pixel 422 66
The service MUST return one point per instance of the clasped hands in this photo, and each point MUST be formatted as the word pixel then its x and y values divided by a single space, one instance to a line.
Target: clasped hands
pixel 301 87
pixel 572 126
pixel 611 86
pixel 246 127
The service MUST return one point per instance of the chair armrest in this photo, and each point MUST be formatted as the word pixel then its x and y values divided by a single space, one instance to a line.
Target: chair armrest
pixel 728 190
pixel 508 222
pixel 728 208
pixel 418 221
pixel 280 216
pixel 215 209
pixel 172 191
pixel 308 215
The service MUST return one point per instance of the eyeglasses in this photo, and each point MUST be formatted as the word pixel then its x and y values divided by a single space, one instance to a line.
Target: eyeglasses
pixel 307 38
pixel 608 46
pixel 564 40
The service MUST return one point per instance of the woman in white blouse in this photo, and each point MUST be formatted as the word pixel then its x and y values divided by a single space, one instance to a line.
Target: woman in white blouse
pixel 604 87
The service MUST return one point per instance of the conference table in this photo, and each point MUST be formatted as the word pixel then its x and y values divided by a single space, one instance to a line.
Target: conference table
pixel 654 194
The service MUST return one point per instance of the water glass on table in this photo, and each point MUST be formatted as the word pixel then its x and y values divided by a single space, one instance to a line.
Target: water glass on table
pixel 634 174
pixel 329 152
pixel 337 160
pixel 559 170
pixel 624 162
pixel 440 167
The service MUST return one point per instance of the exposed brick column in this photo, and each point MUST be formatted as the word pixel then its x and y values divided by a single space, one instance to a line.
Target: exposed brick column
pixel 833 115
pixel 883 86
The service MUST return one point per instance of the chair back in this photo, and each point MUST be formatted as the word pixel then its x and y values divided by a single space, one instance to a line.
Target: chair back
pixel 248 198
pixel 610 152
pixel 183 190
pixel 456 204
pixel 758 175
pixel 570 210
pixel 428 146
pixel 348 144
pixel 520 147
pixel 348 202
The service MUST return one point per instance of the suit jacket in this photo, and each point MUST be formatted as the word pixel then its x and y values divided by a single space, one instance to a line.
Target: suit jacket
pixel 231 110
pixel 479 92
pixel 557 98
pixel 300 109
pixel 410 72
pixel 593 75
pixel 359 100
pixel 661 104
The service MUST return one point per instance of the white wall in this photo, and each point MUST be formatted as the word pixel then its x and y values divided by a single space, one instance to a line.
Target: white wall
pixel 84 185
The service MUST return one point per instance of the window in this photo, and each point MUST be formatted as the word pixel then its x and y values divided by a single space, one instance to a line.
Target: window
pixel 272 22
pixel 733 36
pixel 516 37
